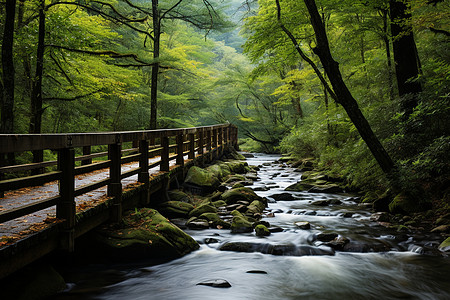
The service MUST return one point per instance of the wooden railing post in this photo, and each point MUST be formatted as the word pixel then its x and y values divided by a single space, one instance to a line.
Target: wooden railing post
pixel 165 152
pixel 191 154
pixel 66 209
pixel 143 161
pixel 115 185
pixel 220 142
pixel 209 144
pixel 180 149
pixel 200 146
pixel 86 151
pixel 214 144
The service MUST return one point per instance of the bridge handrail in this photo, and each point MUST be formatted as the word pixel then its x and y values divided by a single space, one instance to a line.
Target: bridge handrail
pixel 188 141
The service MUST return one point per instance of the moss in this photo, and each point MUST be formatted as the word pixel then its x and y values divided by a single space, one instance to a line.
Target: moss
pixel 203 208
pixel 262 230
pixel 146 233
pixel 219 203
pixel 240 223
pixel 217 170
pixel 256 207
pixel 201 177
pixel 215 220
pixel 445 245
pixel 406 204
pixel 174 209
pixel 243 193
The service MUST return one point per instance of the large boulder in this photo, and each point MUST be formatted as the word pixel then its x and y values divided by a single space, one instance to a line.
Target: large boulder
pixel 256 207
pixel 240 194
pixel 144 233
pixel 407 204
pixel 175 209
pixel 240 223
pixel 201 209
pixel 200 180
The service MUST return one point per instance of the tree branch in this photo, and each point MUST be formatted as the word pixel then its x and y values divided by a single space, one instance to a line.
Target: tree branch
pixel 72 98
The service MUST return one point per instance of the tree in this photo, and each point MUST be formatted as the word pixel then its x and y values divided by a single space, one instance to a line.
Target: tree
pixel 8 72
pixel 405 55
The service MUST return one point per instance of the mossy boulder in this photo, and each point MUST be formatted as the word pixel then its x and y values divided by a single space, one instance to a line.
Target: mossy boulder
pixel 214 220
pixel 226 170
pixel 217 170
pixel 445 245
pixel 261 230
pixel 203 208
pixel 240 224
pixel 240 194
pixel 177 195
pixel 238 167
pixel 145 233
pixel 299 187
pixel 175 209
pixel 219 203
pixel 256 207
pixel 406 204
pixel 235 178
pixel 201 178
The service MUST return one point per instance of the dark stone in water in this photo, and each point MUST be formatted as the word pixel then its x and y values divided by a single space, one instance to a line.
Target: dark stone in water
pixel 326 202
pixel 326 237
pixel 278 249
pixel 219 283
pixel 247 155
pixel 276 229
pixel 310 213
pixel 211 241
pixel 347 215
pixel 283 197
pixel 261 188
pixel 256 272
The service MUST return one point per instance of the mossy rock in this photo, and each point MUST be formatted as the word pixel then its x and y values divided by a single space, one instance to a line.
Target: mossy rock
pixel 175 209
pixel 256 207
pixel 235 178
pixel 219 203
pixel 237 185
pixel 202 178
pixel 244 193
pixel 215 221
pixel 203 208
pixel 236 155
pixel 238 167
pixel 261 230
pixel 217 170
pixel 405 204
pixel 299 187
pixel 240 223
pixel 145 234
pixel 177 195
pixel 226 170
pixel 445 245
pixel 286 158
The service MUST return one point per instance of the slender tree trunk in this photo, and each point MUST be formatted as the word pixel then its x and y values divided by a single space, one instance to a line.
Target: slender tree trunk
pixel 344 97
pixel 7 86
pixel 405 55
pixel 387 45
pixel 36 93
pixel 155 67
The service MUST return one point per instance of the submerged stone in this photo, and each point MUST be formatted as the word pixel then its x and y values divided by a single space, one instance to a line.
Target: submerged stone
pixel 218 283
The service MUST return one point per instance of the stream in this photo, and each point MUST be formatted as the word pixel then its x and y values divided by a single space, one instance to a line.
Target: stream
pixel 379 264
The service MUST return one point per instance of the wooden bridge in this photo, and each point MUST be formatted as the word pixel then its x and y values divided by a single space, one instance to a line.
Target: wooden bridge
pixel 87 186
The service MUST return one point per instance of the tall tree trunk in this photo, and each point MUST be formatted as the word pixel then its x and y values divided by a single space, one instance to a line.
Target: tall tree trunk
pixel 155 67
pixel 387 45
pixel 36 93
pixel 7 86
pixel 405 56
pixel 344 97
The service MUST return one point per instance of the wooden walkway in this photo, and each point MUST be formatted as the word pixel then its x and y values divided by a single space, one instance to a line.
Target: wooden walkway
pixel 84 188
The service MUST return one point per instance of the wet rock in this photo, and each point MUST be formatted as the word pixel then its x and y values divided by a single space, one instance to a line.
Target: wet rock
pixel 256 272
pixel 177 195
pixel 380 217
pixel 256 207
pixel 310 213
pixel 360 247
pixel 445 245
pixel 205 181
pixel 328 188
pixel 275 249
pixel 251 176
pixel 144 233
pixel 240 223
pixel 441 229
pixel 247 155
pixel 261 230
pixel 303 225
pixel 347 215
pixel 243 193
pixel 326 237
pixel 326 202
pixel 218 283
pixel 338 243
pixel 283 197
pixel 208 241
pixel 261 188
pixel 275 229
pixel 219 203
pixel 299 187
pixel 203 208
pixel 265 223
pixel 214 220
pixel 237 185
pixel 197 224
pixel 175 209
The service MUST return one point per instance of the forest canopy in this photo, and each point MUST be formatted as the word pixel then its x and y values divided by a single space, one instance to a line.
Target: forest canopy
pixel 360 86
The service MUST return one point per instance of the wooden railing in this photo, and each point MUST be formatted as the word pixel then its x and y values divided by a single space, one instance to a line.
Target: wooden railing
pixel 163 145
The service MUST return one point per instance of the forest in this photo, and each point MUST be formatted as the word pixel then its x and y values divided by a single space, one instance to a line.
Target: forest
pixel 361 87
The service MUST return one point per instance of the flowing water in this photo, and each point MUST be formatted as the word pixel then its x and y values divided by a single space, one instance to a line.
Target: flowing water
pixel 400 270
